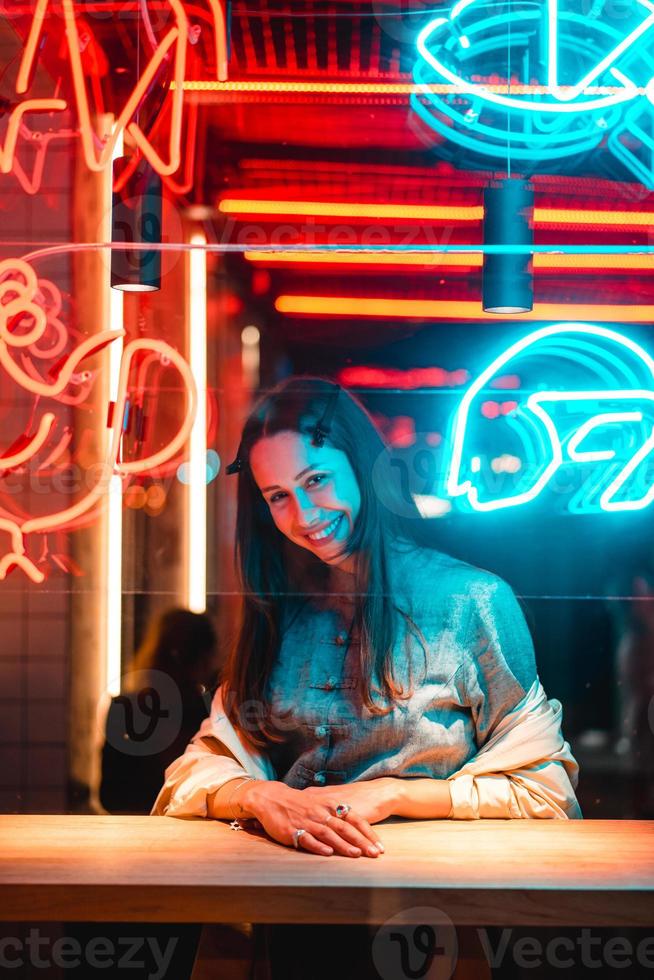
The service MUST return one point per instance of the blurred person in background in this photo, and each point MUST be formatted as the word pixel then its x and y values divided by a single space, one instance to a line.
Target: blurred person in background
pixel 166 696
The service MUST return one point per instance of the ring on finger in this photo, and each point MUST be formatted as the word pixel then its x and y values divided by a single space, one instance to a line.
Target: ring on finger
pixel 342 810
pixel 296 837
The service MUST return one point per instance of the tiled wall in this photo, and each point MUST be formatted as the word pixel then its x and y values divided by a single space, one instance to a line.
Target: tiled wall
pixel 33 699
pixel 34 618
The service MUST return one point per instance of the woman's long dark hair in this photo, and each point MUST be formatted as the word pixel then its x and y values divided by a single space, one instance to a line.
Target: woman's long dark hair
pixel 273 570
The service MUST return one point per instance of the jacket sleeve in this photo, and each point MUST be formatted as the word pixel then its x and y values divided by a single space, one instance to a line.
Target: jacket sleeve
pixel 200 771
pixel 214 755
pixel 524 768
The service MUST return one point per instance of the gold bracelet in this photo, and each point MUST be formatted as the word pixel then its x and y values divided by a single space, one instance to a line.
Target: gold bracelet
pixel 235 824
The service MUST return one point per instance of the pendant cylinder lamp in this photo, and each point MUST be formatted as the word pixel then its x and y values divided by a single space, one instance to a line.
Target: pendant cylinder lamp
pixel 508 285
pixel 136 219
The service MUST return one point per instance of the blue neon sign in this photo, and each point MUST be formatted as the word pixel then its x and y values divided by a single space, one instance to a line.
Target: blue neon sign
pixel 577 79
pixel 586 404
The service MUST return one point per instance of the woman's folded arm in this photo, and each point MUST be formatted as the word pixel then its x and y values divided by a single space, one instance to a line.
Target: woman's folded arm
pixel 204 768
pixel 216 755
pixel 523 768
pixel 542 791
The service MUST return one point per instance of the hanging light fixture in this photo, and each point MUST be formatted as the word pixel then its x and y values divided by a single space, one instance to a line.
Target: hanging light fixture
pixel 136 218
pixel 508 220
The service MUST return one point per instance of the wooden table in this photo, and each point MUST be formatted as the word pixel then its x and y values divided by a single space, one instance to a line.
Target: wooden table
pixel 166 869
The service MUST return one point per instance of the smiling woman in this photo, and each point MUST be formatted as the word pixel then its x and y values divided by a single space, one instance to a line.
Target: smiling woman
pixel 372 676
pixel 318 506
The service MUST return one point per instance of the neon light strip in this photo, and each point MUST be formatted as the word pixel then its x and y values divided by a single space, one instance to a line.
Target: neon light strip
pixel 330 209
pixel 376 88
pixel 197 490
pixel 335 209
pixel 633 219
pixel 570 263
pixel 424 309
pixel 114 522
pixel 113 545
pixel 65 248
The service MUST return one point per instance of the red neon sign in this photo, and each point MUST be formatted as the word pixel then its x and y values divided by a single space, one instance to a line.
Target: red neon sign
pixel 24 317
pixel 97 145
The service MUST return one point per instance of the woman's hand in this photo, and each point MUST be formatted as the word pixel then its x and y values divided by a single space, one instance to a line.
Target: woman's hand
pixel 281 810
pixel 372 799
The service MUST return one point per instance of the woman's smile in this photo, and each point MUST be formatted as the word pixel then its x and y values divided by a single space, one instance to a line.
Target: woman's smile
pixel 326 533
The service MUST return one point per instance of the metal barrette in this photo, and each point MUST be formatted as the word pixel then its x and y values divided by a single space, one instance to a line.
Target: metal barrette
pixel 234 466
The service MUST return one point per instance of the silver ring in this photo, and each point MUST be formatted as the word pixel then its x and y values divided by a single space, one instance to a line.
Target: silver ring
pixel 342 810
pixel 296 838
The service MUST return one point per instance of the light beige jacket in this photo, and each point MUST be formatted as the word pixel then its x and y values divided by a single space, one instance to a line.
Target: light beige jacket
pixel 525 769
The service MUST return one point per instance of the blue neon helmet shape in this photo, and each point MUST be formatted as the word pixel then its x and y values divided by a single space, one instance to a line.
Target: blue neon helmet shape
pixel 577 78
pixel 585 406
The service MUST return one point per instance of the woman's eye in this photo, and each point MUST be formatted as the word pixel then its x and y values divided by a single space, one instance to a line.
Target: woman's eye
pixel 319 477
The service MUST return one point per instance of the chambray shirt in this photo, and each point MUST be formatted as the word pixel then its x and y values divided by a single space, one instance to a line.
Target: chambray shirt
pixel 477 663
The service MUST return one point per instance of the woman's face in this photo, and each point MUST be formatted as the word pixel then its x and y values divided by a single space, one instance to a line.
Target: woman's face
pixel 312 492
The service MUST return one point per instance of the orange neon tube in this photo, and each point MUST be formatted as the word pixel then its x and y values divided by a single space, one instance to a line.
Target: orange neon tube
pixel 541 260
pixel 334 209
pixel 8 150
pixel 377 88
pixel 438 212
pixel 424 309
pixel 33 446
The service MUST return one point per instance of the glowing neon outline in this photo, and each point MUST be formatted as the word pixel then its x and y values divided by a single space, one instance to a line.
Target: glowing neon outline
pixel 24 292
pixel 31 449
pixel 563 93
pixel 178 34
pixel 536 402
pixel 600 454
pixel 564 96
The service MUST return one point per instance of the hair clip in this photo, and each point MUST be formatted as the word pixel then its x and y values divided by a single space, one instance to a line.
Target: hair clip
pixel 234 467
pixel 319 434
